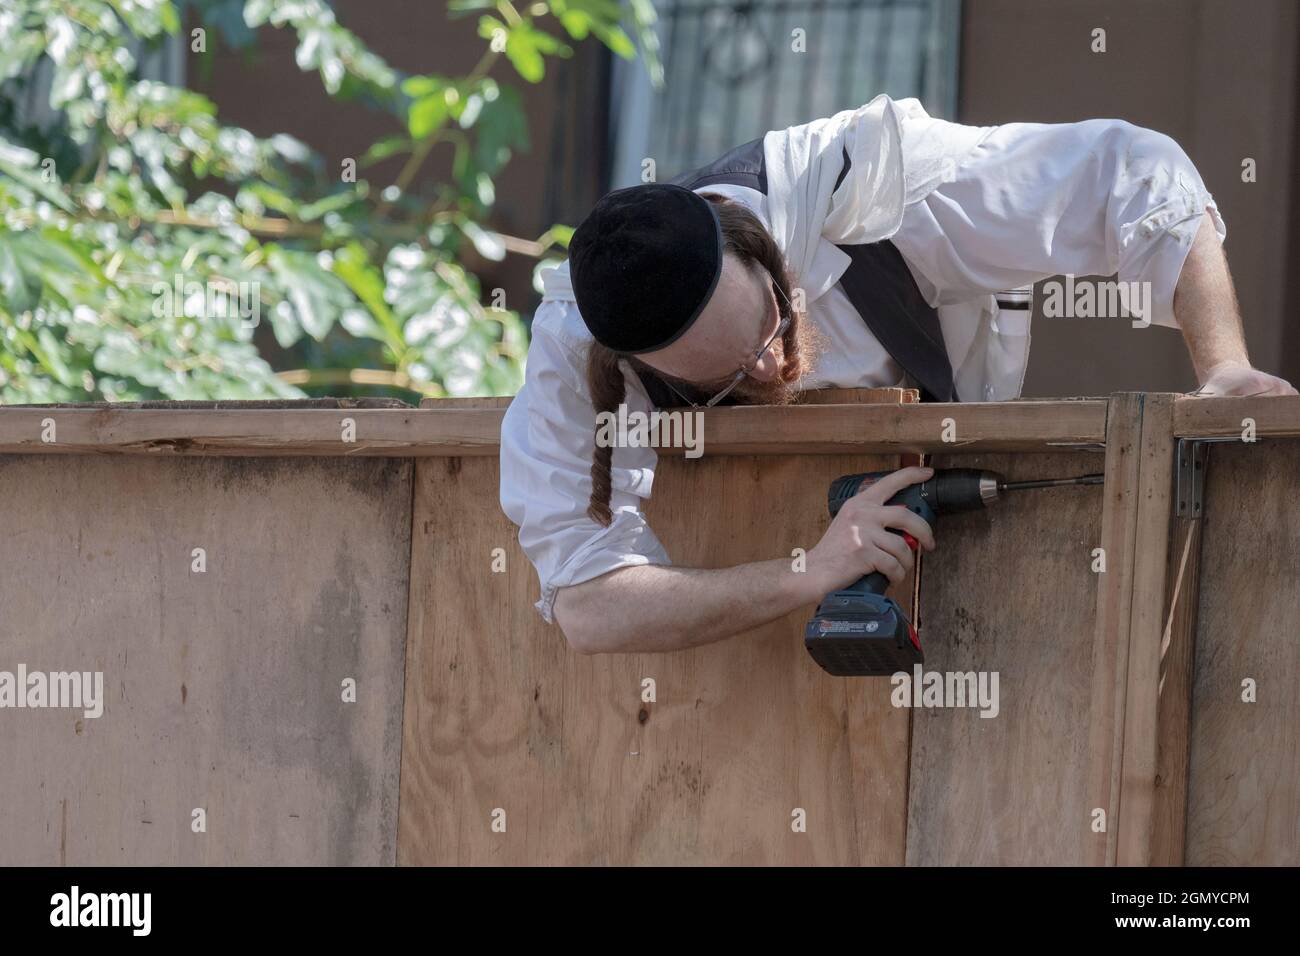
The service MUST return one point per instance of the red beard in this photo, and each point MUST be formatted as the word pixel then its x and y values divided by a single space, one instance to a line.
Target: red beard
pixel 798 357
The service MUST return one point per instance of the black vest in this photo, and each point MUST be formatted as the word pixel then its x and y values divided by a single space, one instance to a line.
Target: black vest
pixel 877 282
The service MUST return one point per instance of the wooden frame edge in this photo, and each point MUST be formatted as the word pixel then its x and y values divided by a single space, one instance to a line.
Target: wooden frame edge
pixel 468 428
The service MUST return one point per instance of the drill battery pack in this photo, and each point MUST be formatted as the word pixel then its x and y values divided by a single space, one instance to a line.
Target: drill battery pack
pixel 858 633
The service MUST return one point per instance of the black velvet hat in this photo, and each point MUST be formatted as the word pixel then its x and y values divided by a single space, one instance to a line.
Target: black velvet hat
pixel 643 265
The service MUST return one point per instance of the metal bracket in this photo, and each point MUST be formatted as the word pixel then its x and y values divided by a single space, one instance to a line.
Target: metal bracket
pixel 1189 493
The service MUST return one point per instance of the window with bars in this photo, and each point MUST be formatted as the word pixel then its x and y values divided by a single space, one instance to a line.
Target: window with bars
pixel 737 68
pixel 25 99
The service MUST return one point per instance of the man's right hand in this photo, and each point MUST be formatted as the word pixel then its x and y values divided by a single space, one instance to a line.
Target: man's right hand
pixel 859 540
pixel 665 608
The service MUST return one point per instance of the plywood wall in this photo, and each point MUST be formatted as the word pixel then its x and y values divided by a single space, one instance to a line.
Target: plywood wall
pixel 502 716
pixel 1010 590
pixel 1244 782
pixel 224 687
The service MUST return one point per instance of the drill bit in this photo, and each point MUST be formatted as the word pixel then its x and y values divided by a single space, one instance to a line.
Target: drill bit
pixel 1050 482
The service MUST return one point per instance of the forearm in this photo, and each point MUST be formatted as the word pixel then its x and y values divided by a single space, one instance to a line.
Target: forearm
pixel 1205 306
pixel 660 608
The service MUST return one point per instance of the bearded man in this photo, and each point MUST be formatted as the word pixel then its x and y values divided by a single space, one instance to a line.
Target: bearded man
pixel 868 249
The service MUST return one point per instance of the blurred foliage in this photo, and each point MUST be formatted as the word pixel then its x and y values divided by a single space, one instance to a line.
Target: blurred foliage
pixel 135 226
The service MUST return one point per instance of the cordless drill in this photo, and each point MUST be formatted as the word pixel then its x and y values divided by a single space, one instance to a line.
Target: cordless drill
pixel 857 631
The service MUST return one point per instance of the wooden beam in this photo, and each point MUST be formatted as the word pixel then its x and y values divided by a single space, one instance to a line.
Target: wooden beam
pixel 399 433
pixel 463 431
pixel 815 396
pixel 920 428
pixel 1142 730
pixel 1275 417
pixel 1110 643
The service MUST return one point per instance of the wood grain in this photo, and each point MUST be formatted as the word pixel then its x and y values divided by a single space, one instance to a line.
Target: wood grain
pixel 1143 734
pixel 1244 788
pixel 1109 674
pixel 501 714
pixel 817 396
pixel 1009 590
pixel 1119 691
pixel 471 427
pixel 224 688
pixel 260 432
pixel 1274 417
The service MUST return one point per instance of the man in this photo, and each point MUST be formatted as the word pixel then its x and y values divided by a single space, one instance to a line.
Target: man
pixel 866 249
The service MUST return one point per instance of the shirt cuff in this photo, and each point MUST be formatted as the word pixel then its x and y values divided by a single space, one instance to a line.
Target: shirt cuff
pixel 628 542
pixel 1158 244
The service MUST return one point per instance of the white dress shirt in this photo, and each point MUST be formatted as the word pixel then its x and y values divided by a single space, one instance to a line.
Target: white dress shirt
pixel 1026 202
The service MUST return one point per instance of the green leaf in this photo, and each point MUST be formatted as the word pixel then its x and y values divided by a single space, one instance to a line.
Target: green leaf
pixel 55 266
pixel 521 49
pixel 488 244
pixel 315 210
pixel 257 12
pixel 426 115
pixel 490 27
pixel 577 23
pixel 353 266
pixel 382 149
pixel 16 53
pixel 561 234
pixel 421 86
pixel 52 359
pixel 120 355
pixel 291 148
pixel 20 165
pixel 361 324
pixel 546 43
pixel 617 40
pixel 19 292
pixel 315 296
pixel 272 198
pixel 68 82
pixel 167 15
pixel 502 127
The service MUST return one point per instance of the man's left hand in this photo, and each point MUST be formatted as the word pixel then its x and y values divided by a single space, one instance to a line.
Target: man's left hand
pixel 1239 379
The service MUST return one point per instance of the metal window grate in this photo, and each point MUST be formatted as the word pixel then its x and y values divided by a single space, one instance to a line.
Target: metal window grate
pixel 731 72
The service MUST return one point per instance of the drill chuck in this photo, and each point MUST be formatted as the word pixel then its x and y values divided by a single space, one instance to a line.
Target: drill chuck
pixel 947 491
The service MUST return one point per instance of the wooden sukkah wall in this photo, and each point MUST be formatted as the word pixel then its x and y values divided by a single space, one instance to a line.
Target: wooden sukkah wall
pixel 1127 731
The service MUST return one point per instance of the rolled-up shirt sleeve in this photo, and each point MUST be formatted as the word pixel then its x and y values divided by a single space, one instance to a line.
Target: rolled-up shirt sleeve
pixel 547 443
pixel 1033 200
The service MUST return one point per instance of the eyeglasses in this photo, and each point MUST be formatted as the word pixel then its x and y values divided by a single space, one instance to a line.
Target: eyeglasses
pixel 752 364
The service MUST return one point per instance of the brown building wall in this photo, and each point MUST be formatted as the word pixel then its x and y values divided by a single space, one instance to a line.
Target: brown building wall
pixel 1217 76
